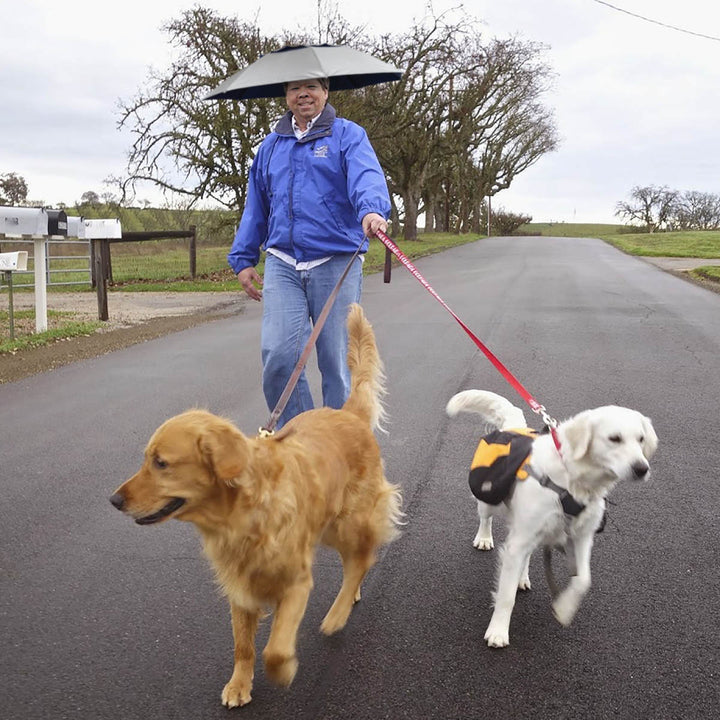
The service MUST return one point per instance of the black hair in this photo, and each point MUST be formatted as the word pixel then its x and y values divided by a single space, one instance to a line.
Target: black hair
pixel 324 82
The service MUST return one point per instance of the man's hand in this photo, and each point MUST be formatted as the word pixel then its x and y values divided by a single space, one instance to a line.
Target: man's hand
pixel 372 222
pixel 249 279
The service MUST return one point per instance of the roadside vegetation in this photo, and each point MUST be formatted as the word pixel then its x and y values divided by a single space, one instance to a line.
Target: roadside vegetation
pixel 61 326
pixel 146 269
pixel 157 267
pixel 686 243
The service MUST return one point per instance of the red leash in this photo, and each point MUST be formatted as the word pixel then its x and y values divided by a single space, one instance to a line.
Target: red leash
pixel 531 401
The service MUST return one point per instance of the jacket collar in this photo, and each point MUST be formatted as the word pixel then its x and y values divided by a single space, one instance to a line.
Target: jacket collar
pixel 321 128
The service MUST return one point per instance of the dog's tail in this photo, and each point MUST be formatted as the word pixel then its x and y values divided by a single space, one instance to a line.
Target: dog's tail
pixel 367 384
pixel 496 410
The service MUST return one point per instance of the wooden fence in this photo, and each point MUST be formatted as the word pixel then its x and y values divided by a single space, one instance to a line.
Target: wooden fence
pixel 101 260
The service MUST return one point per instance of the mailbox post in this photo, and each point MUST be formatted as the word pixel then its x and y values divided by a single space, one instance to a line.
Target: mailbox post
pixel 100 232
pixel 38 224
pixel 8 262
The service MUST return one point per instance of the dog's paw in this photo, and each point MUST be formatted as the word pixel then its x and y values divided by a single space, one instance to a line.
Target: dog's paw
pixel 236 694
pixel 333 622
pixel 280 669
pixel 525 584
pixel 497 637
pixel 483 543
pixel 564 608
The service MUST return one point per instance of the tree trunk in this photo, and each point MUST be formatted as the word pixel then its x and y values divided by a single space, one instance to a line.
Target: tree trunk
pixel 429 214
pixel 476 225
pixel 411 201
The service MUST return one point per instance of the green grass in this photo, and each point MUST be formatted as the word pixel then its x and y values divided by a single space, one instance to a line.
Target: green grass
pixel 707 272
pixel 62 327
pixel 570 229
pixel 697 244
pixel 159 272
pixel 671 244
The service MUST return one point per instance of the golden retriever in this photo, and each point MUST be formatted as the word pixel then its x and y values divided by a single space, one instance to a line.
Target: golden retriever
pixel 556 499
pixel 262 505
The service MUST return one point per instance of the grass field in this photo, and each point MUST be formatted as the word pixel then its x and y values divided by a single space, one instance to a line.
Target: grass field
pixel 671 244
pixel 570 229
pixel 159 272
pixel 666 244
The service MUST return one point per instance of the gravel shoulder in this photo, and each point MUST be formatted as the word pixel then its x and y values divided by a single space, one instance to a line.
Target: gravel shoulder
pixel 134 318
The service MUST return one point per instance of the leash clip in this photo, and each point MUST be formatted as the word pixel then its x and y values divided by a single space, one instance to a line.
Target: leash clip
pixel 265 433
pixel 550 421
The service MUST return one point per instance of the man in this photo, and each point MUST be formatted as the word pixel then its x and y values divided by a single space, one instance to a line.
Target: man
pixel 316 192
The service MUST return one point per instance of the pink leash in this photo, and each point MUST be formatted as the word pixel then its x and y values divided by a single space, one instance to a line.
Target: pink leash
pixel 531 401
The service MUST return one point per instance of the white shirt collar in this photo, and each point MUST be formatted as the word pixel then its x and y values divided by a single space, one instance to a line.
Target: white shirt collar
pixel 300 134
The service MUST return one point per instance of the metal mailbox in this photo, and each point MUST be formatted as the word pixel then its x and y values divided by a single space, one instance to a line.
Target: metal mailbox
pixel 57 222
pixel 32 221
pixel 23 221
pixel 76 227
pixel 102 229
pixel 14 261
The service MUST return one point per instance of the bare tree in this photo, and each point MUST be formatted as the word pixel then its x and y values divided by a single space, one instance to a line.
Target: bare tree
pixel 697 211
pixel 499 124
pixel 187 145
pixel 464 120
pixel 650 205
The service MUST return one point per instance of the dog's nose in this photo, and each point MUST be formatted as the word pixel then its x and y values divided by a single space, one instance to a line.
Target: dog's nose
pixel 640 471
pixel 117 500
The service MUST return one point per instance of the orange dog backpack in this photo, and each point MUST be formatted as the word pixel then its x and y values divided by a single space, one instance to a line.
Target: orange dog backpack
pixel 500 460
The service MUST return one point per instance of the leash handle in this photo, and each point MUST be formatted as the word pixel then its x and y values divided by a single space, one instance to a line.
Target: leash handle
pixel 269 427
pixel 511 379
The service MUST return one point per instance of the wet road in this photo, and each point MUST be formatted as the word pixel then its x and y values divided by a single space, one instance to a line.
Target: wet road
pixel 103 619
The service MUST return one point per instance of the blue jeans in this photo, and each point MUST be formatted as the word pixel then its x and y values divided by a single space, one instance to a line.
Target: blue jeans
pixel 292 302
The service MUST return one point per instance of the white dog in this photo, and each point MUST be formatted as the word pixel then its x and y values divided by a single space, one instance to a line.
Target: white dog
pixel 557 498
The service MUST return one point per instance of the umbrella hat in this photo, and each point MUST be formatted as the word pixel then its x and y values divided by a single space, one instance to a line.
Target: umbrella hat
pixel 344 67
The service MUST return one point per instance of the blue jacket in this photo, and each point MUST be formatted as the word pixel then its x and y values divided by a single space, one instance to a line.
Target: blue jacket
pixel 308 197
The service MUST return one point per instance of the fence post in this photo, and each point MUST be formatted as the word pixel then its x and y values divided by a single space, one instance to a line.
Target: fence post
pixel 101 252
pixel 193 252
pixel 93 281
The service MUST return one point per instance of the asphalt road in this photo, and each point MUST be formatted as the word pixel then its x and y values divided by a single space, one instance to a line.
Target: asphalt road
pixel 100 618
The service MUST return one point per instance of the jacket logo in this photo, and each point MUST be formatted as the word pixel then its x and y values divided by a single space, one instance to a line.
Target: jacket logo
pixel 321 151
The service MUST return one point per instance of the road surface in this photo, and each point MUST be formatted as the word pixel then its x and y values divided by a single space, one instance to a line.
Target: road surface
pixel 103 619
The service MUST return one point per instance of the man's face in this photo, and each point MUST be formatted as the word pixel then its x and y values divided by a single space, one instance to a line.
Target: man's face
pixel 306 99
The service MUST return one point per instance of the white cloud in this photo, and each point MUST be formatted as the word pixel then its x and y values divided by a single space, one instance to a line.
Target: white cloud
pixel 635 103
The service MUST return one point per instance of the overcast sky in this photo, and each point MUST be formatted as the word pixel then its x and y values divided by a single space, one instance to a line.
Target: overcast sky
pixel 636 102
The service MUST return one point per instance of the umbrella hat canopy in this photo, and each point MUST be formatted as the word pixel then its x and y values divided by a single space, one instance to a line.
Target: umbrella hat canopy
pixel 346 69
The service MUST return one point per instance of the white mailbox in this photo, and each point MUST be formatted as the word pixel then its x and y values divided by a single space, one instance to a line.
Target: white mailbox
pixel 18 221
pixel 76 227
pixel 102 229
pixel 14 260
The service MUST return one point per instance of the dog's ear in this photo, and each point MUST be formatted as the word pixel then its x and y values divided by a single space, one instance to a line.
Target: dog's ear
pixel 226 451
pixel 650 442
pixel 578 434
